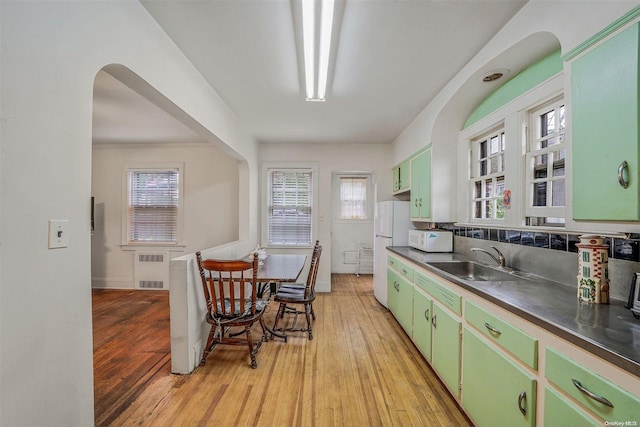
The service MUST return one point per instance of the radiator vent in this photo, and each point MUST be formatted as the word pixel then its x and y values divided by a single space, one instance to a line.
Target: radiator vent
pixel 151 284
pixel 150 257
pixel 151 270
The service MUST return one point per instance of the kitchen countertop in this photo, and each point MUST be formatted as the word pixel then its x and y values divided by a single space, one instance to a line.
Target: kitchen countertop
pixel 609 331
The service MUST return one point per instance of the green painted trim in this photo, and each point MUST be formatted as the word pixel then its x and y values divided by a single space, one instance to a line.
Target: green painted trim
pixel 606 31
pixel 522 82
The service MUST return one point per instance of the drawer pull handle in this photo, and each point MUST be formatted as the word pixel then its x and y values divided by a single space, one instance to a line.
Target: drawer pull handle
pixel 592 395
pixel 522 398
pixel 624 183
pixel 404 271
pixel 492 329
pixel 426 314
pixel 396 286
pixel 433 320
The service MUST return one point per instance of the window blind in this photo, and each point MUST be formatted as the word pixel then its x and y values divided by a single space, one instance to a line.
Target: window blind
pixel 290 204
pixel 153 206
pixel 353 197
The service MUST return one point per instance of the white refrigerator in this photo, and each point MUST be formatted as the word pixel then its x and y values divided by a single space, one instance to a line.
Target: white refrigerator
pixel 392 222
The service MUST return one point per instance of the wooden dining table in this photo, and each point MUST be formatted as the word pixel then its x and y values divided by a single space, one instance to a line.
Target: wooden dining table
pixel 275 269
pixel 278 268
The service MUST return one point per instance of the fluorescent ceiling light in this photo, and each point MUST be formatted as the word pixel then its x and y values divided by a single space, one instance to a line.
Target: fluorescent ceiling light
pixel 308 35
pixel 317 46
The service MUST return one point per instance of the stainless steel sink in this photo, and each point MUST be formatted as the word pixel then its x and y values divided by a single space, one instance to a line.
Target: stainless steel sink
pixel 474 272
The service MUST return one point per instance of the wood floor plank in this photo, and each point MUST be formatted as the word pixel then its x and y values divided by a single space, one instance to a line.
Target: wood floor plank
pixel 360 369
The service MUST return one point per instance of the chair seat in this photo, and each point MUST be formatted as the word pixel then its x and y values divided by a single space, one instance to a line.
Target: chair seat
pixel 292 286
pixel 260 305
pixel 297 297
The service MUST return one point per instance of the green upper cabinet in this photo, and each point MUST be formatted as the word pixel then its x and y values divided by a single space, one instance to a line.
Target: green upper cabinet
pixel 401 177
pixel 421 186
pixel 605 152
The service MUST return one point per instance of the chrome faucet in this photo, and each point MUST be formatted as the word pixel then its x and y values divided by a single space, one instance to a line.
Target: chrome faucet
pixel 500 260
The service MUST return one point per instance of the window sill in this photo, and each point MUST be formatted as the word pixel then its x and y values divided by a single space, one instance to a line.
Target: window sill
pixel 153 247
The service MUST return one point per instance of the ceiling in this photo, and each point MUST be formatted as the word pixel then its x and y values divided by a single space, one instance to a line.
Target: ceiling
pixel 392 58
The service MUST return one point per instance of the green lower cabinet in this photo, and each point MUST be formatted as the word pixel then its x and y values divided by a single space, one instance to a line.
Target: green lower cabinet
pixel 404 312
pixel 422 310
pixel 400 299
pixel 598 394
pixel 559 412
pixel 446 347
pixel 497 392
pixel 392 294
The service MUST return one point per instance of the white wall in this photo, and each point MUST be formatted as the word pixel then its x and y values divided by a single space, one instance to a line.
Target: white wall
pixel 51 52
pixel 537 24
pixel 332 158
pixel 210 207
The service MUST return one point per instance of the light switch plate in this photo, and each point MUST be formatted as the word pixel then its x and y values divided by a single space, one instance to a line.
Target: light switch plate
pixel 58 233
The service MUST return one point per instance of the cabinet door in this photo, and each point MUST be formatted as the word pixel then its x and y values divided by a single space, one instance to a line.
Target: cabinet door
pixel 404 175
pixel 422 306
pixel 421 185
pixel 396 178
pixel 604 92
pixel 425 184
pixel 400 299
pixel 445 350
pixel 404 306
pixel 392 293
pixel 496 390
pixel 415 187
pixel 559 412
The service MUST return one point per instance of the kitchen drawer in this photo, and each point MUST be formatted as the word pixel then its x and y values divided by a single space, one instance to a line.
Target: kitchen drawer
pixel 559 412
pixel 401 268
pixel 512 339
pixel 440 292
pixel 569 376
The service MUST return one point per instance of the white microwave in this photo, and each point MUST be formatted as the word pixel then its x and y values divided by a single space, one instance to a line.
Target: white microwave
pixel 431 240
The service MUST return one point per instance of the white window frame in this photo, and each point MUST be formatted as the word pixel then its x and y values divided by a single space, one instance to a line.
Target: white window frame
pixel 267 167
pixel 128 244
pixel 548 211
pixel 337 202
pixel 477 177
pixel 514 116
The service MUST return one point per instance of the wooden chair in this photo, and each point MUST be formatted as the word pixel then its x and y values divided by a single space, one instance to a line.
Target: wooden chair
pixel 299 287
pixel 230 289
pixel 296 297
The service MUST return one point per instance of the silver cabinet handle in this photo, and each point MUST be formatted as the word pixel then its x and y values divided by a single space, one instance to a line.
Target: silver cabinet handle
pixel 492 329
pixel 396 286
pixel 433 320
pixel 522 398
pixel 624 183
pixel 416 203
pixel 592 395
pixel 420 201
pixel 426 314
pixel 404 271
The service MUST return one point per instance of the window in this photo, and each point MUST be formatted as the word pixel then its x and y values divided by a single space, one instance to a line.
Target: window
pixel 153 205
pixel 545 165
pixel 290 202
pixel 353 197
pixel 487 175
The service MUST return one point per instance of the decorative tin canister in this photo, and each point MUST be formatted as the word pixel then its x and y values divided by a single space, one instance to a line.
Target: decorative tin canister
pixel 593 270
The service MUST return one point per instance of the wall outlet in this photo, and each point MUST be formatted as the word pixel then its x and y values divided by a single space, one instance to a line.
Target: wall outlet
pixel 58 233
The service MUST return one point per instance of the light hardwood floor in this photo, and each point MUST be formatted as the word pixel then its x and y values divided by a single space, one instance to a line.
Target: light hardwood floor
pixel 359 370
